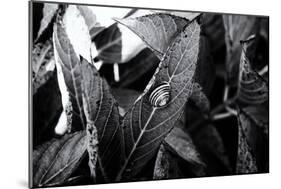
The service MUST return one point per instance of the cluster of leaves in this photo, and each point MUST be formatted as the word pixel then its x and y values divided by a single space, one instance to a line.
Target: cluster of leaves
pixel 89 127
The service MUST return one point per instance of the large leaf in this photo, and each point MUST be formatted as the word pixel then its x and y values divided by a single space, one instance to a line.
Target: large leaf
pixel 49 12
pixel 252 88
pixel 102 111
pixel 69 77
pixel 145 125
pixel 246 162
pixel 237 27
pixel 181 143
pixel 157 30
pixel 54 161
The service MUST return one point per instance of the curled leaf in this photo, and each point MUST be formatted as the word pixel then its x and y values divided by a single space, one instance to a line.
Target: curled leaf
pixel 237 28
pixel 162 164
pixel 252 88
pixel 55 160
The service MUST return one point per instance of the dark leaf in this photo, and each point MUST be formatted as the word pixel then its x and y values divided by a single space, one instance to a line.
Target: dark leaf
pixel 256 138
pixel 259 115
pixel 42 64
pixel 145 125
pixel 166 166
pixel 102 112
pixel 252 88
pixel 69 77
pixel 157 30
pixel 237 28
pixel 181 143
pixel 200 99
pixel 205 70
pixel 212 149
pixel 137 68
pixel 162 164
pixel 109 44
pixel 246 162
pixel 49 12
pixel 55 161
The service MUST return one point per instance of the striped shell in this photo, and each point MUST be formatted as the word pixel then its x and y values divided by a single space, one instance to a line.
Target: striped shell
pixel 160 96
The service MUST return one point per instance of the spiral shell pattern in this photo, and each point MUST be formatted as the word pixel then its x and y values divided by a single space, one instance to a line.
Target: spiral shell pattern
pixel 160 96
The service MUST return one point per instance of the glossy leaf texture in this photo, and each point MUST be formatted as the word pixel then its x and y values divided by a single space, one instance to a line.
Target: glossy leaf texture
pixel 157 30
pixel 55 160
pixel 252 88
pixel 145 126
pixel 237 28
pixel 49 11
pixel 200 99
pixel 102 111
pixel 69 77
pixel 43 64
pixel 181 143
pixel 246 162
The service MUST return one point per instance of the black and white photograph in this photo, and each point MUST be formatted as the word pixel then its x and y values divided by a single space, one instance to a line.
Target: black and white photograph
pixel 126 94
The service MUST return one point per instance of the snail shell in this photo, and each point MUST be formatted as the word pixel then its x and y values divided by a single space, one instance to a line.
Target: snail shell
pixel 160 96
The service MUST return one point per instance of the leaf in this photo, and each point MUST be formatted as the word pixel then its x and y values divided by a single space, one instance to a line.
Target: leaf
pixel 181 143
pixel 205 71
pixel 46 109
pixel 102 111
pixel 137 68
pixel 252 88
pixel 69 77
pixel 49 12
pixel 77 31
pixel 259 115
pixel 109 44
pixel 89 16
pixel 246 162
pixel 165 166
pixel 256 138
pixel 200 99
pixel 92 146
pixel 157 30
pixel 211 146
pixel 237 28
pixel 55 161
pixel 42 64
pixel 146 126
pixel 161 168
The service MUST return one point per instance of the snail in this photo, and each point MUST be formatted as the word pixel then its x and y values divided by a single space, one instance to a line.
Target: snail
pixel 160 96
